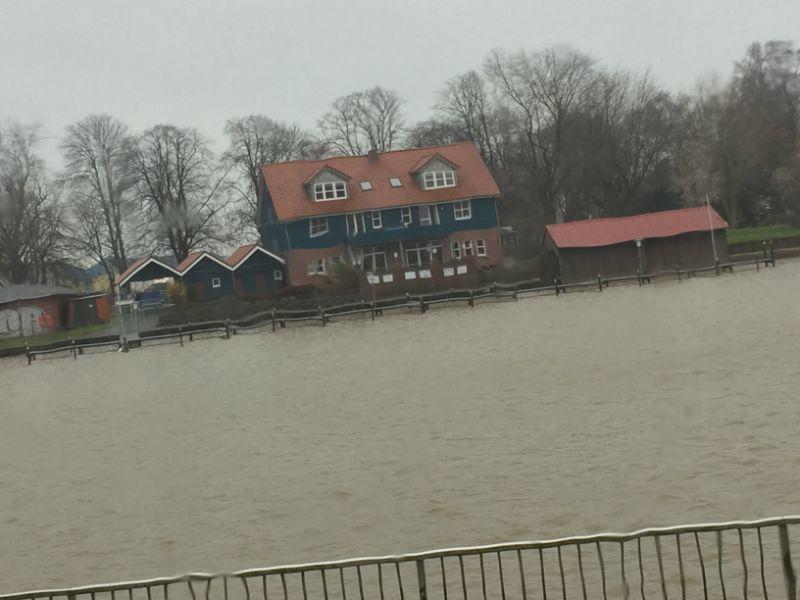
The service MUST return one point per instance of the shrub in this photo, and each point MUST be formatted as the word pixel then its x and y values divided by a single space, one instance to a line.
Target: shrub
pixel 177 293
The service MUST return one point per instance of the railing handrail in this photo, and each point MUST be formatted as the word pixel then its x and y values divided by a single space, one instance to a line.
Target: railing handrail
pixel 412 557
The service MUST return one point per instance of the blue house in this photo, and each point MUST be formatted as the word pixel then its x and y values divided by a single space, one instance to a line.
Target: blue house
pixel 406 209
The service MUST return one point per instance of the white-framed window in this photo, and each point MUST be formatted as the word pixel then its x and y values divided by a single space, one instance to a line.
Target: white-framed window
pixel 395 182
pixel 366 186
pixel 373 259
pixel 425 218
pixel 438 179
pixel 375 215
pixel 456 250
pixel 316 266
pixel 467 247
pixel 405 216
pixel 216 282
pixel 480 247
pixel 331 190
pixel 462 210
pixel 317 226
pixel 277 275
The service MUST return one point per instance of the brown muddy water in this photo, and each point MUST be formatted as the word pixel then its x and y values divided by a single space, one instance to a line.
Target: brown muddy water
pixel 636 407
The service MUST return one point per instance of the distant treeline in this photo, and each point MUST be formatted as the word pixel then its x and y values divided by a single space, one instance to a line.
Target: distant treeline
pixel 566 138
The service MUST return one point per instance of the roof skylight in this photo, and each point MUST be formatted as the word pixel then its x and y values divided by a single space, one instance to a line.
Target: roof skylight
pixel 395 182
pixel 366 185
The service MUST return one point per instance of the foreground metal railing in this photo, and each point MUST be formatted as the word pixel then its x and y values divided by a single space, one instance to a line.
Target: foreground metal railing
pixel 740 559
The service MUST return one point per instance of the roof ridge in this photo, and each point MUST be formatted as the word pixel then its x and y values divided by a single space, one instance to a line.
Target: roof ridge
pixel 346 156
pixel 639 215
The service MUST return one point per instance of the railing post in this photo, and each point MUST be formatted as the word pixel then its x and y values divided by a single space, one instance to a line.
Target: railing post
pixel 716 266
pixel 273 318
pixel 555 282
pixel 321 315
pixel 421 305
pixel 372 311
pixel 227 329
pixel 191 335
pixel 679 275
pixel 599 283
pixel 180 333
pixel 789 576
pixel 74 351
pixel 423 586
pixel 471 299
pixel 28 353
pixel 772 252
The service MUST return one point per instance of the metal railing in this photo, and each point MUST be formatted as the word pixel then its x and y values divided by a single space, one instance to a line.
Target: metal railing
pixel 739 559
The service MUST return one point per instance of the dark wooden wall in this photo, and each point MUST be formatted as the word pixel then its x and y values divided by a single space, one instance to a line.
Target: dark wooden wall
pixel 687 251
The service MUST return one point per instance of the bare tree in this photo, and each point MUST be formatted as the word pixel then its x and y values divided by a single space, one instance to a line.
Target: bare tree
pixel 362 121
pixel 180 188
pixel 257 140
pixel 99 183
pixel 31 219
pixel 467 104
pixel 544 91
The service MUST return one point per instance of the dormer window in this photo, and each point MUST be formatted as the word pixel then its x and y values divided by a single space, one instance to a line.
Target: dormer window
pixel 438 179
pixel 332 190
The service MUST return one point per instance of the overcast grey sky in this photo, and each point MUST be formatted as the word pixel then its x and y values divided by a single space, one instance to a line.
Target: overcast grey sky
pixel 198 63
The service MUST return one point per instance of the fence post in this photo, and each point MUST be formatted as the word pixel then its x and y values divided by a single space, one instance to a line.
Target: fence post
pixel 772 252
pixel 321 315
pixel 556 281
pixel 74 351
pixel 764 247
pixel 471 299
pixel 421 305
pixel 599 283
pixel 227 329
pixel 191 335
pixel 372 311
pixel 124 344
pixel 180 333
pixel 679 275
pixel 423 586
pixel 28 353
pixel 789 575
pixel 716 266
pixel 273 319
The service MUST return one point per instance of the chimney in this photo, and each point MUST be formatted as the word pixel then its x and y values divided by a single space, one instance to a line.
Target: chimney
pixel 372 155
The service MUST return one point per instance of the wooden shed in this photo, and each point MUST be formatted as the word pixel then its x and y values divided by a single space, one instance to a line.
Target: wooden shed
pixel 685 239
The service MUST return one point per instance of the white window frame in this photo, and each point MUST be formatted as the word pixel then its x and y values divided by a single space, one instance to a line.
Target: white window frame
pixel 317 226
pixel 462 210
pixel 406 216
pixel 216 282
pixel 480 248
pixel 316 267
pixel 330 190
pixel 425 221
pixel 456 250
pixel 277 275
pixel 468 248
pixel 377 221
pixel 373 252
pixel 432 180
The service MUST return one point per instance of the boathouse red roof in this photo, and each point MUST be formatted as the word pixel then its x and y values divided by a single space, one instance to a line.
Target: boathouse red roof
pixel 287 181
pixel 617 230
pixel 242 253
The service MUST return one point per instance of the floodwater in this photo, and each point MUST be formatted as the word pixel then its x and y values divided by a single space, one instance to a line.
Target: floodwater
pixel 589 412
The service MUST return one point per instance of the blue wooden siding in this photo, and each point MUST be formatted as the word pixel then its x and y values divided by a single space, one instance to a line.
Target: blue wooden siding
pixel 260 267
pixel 484 216
pixel 202 274
pixel 273 232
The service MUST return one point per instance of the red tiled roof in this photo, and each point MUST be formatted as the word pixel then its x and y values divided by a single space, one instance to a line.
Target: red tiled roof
pixel 616 230
pixel 190 259
pixel 134 266
pixel 140 264
pixel 285 181
pixel 243 252
pixel 239 254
